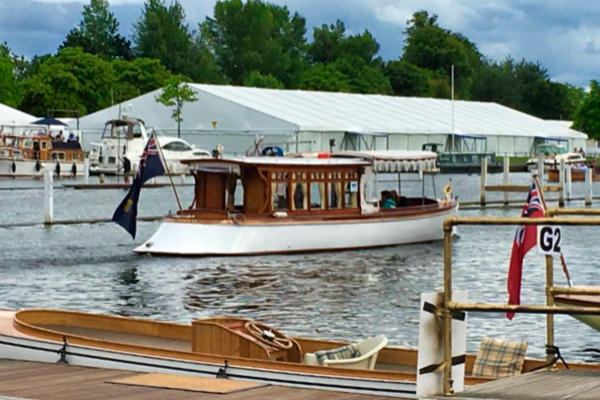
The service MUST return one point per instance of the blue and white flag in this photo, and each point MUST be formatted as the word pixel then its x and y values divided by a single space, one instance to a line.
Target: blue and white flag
pixel 150 166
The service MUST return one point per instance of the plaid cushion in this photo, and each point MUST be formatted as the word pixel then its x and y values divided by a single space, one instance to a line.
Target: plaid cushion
pixel 498 358
pixel 341 353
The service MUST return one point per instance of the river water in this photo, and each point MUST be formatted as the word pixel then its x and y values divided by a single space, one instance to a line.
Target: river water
pixel 346 295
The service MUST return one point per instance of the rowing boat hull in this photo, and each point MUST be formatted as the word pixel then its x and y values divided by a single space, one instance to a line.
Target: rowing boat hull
pixel 39 337
pixel 187 237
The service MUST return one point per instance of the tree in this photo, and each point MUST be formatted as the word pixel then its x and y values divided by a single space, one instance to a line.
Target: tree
pixel 71 80
pixel 97 33
pixel 256 36
pixel 134 78
pixel 407 79
pixel 10 90
pixel 175 94
pixel 587 116
pixel 162 33
pixel 325 77
pixel 348 60
pixel 431 47
pixel 256 79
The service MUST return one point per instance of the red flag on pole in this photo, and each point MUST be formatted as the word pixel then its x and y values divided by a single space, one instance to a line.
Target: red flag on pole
pixel 525 239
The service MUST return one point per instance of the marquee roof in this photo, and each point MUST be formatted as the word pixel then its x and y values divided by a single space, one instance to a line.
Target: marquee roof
pixel 222 108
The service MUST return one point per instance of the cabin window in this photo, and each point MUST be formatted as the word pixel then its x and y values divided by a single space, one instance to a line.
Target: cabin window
pixel 28 143
pixel 43 144
pixel 75 156
pixel 58 156
pixel 300 199
pixel 334 194
pixel 279 196
pixel 317 195
pixel 351 194
pixel 112 160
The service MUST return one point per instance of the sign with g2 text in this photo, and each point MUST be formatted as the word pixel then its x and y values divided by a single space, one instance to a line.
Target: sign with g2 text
pixel 549 240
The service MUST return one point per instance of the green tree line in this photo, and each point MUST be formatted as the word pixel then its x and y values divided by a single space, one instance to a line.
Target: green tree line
pixel 255 43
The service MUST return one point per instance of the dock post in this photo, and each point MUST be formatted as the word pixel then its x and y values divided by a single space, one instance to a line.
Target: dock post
pixel 540 171
pixel 588 187
pixel 483 181
pixel 447 315
pixel 48 197
pixel 561 181
pixel 568 179
pixel 506 170
pixel 86 171
pixel 549 302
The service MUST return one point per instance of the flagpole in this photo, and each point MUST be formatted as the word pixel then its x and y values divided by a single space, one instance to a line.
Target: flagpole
pixel 167 168
pixel 563 262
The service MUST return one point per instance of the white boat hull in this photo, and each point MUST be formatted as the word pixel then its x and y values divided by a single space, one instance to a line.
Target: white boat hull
pixel 228 238
pixel 23 348
pixel 31 168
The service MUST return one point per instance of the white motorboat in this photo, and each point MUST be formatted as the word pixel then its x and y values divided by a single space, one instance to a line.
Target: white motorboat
pixel 126 137
pixel 301 204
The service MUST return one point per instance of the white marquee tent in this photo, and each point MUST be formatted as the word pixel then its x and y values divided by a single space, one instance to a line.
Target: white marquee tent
pixel 307 120
pixel 12 116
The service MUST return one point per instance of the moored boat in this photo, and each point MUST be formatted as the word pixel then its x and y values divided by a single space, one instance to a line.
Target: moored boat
pixel 577 174
pixel 31 150
pixel 227 347
pixel 125 138
pixel 299 204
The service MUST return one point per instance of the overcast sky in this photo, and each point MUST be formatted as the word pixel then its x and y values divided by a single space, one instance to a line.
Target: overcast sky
pixel 563 35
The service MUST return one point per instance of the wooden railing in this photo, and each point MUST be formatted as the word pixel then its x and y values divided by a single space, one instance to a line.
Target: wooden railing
pixel 566 217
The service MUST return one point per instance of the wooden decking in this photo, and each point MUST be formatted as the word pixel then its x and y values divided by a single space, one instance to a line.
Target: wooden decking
pixel 539 385
pixel 42 381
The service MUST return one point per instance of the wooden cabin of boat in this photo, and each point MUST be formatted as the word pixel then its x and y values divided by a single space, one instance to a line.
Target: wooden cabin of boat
pixel 321 186
pixel 41 146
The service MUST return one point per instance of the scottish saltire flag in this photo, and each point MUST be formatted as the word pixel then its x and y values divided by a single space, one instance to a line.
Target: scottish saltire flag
pixel 150 166
pixel 525 240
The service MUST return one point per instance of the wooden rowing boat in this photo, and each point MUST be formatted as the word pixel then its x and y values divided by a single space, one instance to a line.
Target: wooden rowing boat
pixel 206 347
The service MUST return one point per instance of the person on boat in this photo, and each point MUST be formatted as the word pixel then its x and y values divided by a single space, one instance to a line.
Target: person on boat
pixel 72 138
pixel 60 136
pixel 386 200
pixel 126 169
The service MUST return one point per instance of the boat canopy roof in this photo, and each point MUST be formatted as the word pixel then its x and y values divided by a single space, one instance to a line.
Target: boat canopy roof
pixel 279 161
pixel 395 160
pixel 383 161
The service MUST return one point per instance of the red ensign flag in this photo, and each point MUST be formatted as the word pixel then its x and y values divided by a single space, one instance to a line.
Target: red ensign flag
pixel 525 239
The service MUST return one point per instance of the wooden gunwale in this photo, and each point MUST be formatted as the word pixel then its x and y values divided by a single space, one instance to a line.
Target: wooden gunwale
pixel 295 219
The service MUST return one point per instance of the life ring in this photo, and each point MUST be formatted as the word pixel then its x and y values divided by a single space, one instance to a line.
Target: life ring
pixel 13 167
pixel 57 169
pixel 38 166
pixel 74 169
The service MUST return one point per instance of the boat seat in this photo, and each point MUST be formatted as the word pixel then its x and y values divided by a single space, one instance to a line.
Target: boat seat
pixel 361 355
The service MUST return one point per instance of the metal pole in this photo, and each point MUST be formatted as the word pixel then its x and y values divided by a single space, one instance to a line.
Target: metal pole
pixel 447 316
pixel 540 171
pixel 167 168
pixel 452 102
